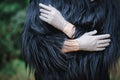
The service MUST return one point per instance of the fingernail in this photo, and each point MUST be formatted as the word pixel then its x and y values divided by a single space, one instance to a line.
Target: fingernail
pixel 95 31
pixel 40 17
pixel 109 35
pixel 40 4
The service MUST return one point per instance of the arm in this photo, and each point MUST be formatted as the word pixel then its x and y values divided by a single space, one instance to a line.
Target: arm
pixel 87 42
pixel 53 17
pixel 41 51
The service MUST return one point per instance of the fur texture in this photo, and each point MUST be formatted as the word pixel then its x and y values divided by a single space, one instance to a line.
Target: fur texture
pixel 42 43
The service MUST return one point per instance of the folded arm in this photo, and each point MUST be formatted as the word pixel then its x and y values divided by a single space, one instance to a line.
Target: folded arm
pixel 87 42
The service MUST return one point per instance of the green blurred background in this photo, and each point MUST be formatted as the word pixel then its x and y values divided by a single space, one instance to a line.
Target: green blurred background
pixel 12 67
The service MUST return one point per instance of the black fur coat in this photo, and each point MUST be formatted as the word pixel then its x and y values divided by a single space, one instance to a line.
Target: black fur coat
pixel 41 43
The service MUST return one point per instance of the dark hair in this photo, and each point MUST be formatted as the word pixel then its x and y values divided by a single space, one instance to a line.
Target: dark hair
pixel 41 43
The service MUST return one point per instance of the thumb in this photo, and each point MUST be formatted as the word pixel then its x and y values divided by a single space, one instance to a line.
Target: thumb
pixel 92 32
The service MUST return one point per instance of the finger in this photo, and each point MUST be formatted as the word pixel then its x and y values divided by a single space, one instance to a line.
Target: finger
pixel 44 15
pixel 43 18
pixel 51 6
pixel 103 36
pixel 103 45
pixel 45 7
pixel 100 49
pixel 104 41
pixel 91 32
pixel 44 11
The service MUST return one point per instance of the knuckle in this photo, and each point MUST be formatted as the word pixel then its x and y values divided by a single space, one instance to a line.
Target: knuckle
pixel 53 13
pixel 85 34
pixel 107 44
pixel 97 49
pixel 96 43
pixel 58 12
pixel 41 14
pixel 53 8
pixel 109 40
pixel 40 17
pixel 50 20
pixel 40 9
pixel 95 39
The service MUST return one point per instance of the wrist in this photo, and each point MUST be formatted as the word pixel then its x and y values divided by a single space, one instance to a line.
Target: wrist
pixel 69 30
pixel 75 45
pixel 78 44
pixel 81 44
pixel 70 46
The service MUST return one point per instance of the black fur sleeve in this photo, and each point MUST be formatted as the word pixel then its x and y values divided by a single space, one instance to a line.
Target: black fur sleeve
pixel 41 49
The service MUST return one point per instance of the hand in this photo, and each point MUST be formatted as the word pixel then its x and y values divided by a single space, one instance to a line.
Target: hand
pixel 52 16
pixel 91 42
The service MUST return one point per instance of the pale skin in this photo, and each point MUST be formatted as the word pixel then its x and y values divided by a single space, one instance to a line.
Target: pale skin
pixel 87 42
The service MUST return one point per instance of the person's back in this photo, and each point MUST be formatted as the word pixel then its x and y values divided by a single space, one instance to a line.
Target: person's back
pixel 42 43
